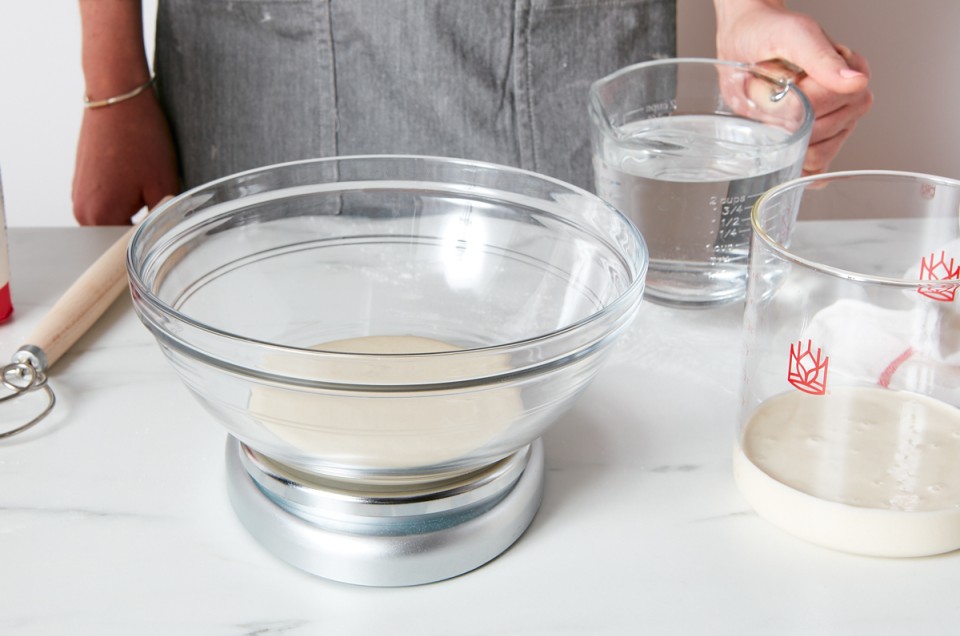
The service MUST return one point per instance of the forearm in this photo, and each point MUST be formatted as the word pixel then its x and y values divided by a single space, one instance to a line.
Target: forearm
pixel 112 52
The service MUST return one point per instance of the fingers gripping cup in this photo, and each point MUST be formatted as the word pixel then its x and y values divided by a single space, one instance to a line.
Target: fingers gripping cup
pixel 850 431
pixel 684 147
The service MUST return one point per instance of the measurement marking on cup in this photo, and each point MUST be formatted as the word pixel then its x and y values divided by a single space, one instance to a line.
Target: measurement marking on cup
pixel 807 371
pixel 660 109
pixel 940 270
pixel 731 215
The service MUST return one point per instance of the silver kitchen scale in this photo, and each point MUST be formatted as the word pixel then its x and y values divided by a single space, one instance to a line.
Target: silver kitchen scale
pixel 385 536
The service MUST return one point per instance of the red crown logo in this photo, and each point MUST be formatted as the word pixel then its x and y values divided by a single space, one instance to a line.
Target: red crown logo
pixel 939 269
pixel 808 370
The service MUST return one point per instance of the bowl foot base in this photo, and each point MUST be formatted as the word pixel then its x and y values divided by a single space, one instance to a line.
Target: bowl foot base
pixel 396 540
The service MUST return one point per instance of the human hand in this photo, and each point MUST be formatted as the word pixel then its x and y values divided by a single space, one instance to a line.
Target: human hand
pixel 836 77
pixel 125 160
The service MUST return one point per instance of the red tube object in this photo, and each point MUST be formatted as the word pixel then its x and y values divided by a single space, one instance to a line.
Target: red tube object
pixel 6 307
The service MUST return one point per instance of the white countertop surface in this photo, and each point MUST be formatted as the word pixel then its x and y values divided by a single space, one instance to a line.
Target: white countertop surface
pixel 114 517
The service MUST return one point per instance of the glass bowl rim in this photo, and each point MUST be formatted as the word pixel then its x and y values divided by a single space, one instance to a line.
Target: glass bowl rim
pixel 629 296
pixel 803 182
pixel 802 131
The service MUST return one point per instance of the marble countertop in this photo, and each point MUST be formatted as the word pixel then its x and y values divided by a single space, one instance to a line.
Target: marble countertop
pixel 114 517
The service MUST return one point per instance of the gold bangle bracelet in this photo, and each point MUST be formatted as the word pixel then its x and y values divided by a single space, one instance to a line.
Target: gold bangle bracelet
pixel 110 101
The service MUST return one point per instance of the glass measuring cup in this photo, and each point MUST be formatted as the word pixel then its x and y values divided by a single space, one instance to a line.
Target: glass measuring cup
pixel 684 147
pixel 850 428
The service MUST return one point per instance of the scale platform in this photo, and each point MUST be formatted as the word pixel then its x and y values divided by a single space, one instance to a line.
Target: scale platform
pixel 379 536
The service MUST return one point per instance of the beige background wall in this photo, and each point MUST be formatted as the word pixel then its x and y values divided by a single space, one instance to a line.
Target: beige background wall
pixel 913 47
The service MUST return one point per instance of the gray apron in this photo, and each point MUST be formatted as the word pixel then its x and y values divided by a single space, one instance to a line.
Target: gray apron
pixel 247 83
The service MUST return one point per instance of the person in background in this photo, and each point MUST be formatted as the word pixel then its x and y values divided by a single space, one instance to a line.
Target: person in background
pixel 240 85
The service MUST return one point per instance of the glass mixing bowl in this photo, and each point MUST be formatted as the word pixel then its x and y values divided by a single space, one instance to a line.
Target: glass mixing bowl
pixel 386 319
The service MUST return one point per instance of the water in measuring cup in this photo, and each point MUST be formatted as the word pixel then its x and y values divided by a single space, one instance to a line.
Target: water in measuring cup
pixel 689 182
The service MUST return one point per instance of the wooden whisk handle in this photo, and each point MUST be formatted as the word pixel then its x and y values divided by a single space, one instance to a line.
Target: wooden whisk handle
pixel 81 306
